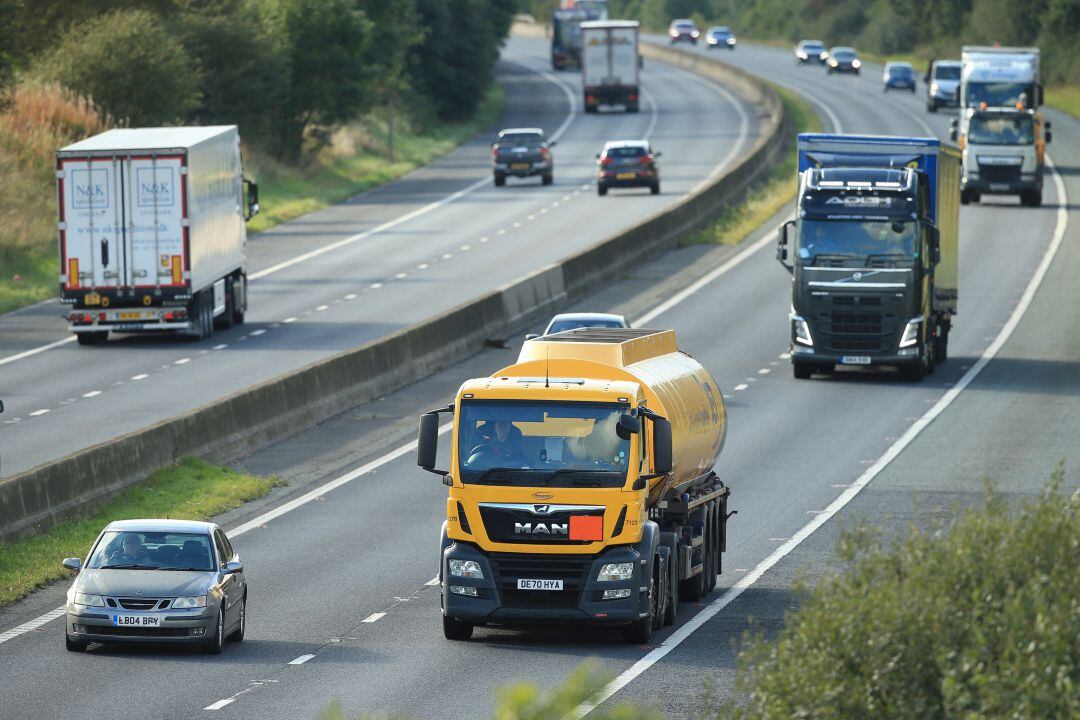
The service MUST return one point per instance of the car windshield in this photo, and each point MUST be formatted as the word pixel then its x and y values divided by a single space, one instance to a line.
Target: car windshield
pixel 813 47
pixel 1001 94
pixel 947 72
pixel 625 152
pixel 857 239
pixel 1001 131
pixel 144 550
pixel 542 444
pixel 843 54
pixel 561 325
pixel 900 71
pixel 684 25
pixel 521 139
pixel 720 31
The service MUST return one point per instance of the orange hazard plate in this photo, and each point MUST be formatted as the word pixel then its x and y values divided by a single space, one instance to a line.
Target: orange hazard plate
pixel 586 527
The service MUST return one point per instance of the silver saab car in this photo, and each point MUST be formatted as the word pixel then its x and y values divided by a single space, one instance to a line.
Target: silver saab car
pixel 173 581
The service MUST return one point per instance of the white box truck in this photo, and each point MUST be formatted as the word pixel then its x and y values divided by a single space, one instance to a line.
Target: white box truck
pixel 610 64
pixel 151 231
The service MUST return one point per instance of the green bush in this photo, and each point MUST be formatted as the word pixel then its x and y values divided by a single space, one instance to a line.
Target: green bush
pixel 130 65
pixel 980 620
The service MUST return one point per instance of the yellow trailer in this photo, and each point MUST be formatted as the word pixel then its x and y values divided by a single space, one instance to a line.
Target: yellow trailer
pixel 581 485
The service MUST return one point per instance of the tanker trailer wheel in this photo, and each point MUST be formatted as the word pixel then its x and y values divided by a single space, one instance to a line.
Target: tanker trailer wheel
pixel 694 588
pixel 454 629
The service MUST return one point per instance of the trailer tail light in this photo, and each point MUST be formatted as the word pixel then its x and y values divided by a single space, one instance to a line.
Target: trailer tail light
pixel 180 314
pixel 73 272
pixel 101 317
pixel 177 270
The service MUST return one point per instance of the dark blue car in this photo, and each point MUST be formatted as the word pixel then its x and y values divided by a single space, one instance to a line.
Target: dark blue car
pixel 899 76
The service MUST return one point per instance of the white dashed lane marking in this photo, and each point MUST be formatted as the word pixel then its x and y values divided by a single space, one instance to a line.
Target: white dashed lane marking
pixel 219 704
pixel 301 660
pixel 374 617
pixel 741 386
pixel 182 361
pixel 140 376
pixel 256 333
pixel 38 413
pixel 92 393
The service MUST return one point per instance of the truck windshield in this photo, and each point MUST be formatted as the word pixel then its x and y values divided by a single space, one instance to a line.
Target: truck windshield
pixel 999 94
pixel 534 444
pixel 947 72
pixel 856 239
pixel 1003 130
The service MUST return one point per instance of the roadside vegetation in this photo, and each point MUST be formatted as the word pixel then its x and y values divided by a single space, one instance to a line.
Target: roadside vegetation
pixel 191 490
pixel 770 195
pixel 312 85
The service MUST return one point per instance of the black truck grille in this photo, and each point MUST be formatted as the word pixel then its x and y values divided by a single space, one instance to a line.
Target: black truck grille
pixel 518 525
pixel 571 569
pixel 856 332
pixel 999 173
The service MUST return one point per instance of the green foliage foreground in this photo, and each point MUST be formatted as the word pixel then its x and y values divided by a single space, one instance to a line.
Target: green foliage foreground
pixel 979 621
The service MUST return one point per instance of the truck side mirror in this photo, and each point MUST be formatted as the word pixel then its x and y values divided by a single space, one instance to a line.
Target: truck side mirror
pixel 954 129
pixel 661 445
pixel 782 244
pixel 427 442
pixel 628 427
pixel 252 198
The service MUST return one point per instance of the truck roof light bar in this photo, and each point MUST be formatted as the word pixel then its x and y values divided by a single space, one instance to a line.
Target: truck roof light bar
pixel 859 184
pixel 831 183
pixel 888 184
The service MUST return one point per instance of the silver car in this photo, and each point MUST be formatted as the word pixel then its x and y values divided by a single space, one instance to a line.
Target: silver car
pixel 574 321
pixel 173 581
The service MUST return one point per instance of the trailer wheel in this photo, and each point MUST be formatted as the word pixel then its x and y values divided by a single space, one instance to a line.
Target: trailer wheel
pixel 239 307
pixel 454 629
pixel 225 320
pixel 92 338
pixel 202 314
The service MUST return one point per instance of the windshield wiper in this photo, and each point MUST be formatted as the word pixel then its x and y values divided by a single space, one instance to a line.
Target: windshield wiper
pixel 575 471
pixel 886 255
pixel 131 566
pixel 202 569
pixel 486 476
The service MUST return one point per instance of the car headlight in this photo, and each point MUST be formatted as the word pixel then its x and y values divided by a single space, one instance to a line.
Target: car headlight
pixel 616 571
pixel 801 55
pixel 832 62
pixel 467 569
pixel 802 331
pixel 934 89
pixel 823 55
pixel 195 601
pixel 731 41
pixel 88 600
pixel 856 64
pixel 911 332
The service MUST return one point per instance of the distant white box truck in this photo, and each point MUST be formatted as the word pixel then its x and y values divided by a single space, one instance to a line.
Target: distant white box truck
pixel 610 64
pixel 152 231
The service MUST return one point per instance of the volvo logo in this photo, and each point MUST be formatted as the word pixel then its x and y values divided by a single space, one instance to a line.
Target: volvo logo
pixel 541 509
pixel 529 528
pixel 857 276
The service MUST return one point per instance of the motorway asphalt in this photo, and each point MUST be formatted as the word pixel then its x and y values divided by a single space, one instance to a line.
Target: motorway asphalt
pixel 340 277
pixel 369 546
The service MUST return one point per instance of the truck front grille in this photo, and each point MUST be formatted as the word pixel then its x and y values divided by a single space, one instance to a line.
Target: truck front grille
pixel 844 331
pixel 853 323
pixel 571 569
pixel 999 173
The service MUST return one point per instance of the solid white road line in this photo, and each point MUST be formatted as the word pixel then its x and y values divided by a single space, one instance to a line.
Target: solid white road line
pixel 863 480
pixel 35 351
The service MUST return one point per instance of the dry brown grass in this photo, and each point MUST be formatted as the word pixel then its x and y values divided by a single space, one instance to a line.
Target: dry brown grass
pixel 37 120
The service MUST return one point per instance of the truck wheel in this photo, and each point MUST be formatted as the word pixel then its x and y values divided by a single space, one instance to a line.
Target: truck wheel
pixel 547 179
pixel 671 611
pixel 224 321
pixel 631 107
pixel 640 631
pixel 92 338
pixel 802 371
pixel 454 629
pixel 661 595
pixel 239 307
pixel 500 180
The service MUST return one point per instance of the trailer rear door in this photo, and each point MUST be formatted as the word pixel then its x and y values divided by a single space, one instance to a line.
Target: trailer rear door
pixel 155 207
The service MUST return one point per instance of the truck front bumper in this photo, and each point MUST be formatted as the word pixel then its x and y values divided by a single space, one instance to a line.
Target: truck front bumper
pixel 896 357
pixel 498 600
pixel 1011 186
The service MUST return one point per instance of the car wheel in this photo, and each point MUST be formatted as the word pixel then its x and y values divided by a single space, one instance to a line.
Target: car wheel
pixel 500 180
pixel 965 197
pixel 454 629
pixel 655 188
pixel 215 644
pixel 241 628
pixel 547 179
pixel 74 645
pixel 601 190
pixel 92 338
pixel 931 107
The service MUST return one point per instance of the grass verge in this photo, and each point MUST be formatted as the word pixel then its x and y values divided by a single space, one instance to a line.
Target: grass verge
pixel 358 158
pixel 771 194
pixel 192 490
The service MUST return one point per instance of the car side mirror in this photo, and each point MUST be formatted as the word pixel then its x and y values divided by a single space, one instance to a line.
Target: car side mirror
pixel 234 566
pixel 628 427
pixel 252 199
pixel 531 336
pixel 597 156
pixel 553 143
pixel 73 564
pixel 661 445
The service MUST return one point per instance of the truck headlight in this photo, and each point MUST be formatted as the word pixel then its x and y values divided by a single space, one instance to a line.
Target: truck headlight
pixel 911 333
pixel 184 603
pixel 801 330
pixel 466 569
pixel 616 571
pixel 88 600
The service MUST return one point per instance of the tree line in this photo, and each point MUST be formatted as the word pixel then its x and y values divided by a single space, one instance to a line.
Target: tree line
pixel 285 71
pixel 929 28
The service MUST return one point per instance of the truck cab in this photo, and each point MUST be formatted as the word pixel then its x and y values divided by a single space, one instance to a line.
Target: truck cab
pixel 872 255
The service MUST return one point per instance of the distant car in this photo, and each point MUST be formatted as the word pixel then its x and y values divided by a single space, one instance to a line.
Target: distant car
pixel 627 163
pixel 942 84
pixel 683 31
pixel 843 59
pixel 720 37
pixel 810 51
pixel 522 152
pixel 898 76
pixel 574 321
pixel 161 581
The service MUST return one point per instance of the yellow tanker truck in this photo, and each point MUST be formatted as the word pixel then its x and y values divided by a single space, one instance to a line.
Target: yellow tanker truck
pixel 581 485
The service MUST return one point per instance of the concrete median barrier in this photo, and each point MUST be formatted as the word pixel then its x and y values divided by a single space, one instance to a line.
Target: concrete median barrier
pixel 37 499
